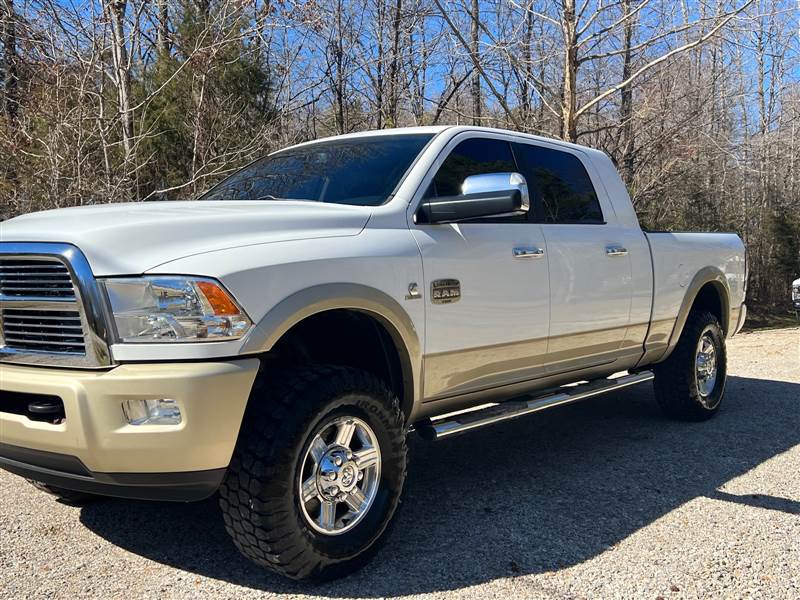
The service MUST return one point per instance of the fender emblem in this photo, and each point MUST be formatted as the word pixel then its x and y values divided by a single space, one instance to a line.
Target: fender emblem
pixel 413 292
pixel 445 291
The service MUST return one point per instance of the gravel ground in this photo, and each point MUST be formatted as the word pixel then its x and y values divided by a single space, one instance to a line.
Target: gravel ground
pixel 604 499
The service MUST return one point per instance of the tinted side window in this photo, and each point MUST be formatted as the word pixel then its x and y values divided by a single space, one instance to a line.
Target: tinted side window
pixel 474 156
pixel 562 184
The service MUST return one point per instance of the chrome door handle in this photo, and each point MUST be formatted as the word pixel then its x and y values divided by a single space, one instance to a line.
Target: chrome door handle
pixel 528 253
pixel 616 251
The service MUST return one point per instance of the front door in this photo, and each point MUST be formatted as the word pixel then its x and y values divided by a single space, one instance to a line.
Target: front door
pixel 486 283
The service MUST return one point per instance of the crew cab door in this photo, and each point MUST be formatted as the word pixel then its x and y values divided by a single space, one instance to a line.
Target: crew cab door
pixel 591 283
pixel 495 333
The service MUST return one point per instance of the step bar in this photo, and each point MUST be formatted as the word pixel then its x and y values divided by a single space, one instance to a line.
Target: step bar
pixel 449 425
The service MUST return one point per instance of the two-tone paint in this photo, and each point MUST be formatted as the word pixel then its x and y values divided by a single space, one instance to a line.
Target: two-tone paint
pixel 597 299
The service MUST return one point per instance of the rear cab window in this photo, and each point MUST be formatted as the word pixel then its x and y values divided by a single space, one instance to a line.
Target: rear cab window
pixel 560 185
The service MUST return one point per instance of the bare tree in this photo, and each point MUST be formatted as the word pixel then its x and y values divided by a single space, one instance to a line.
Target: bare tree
pixel 122 70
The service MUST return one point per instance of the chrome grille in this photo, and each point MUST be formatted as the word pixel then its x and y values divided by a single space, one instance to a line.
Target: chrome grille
pixel 35 278
pixel 57 331
pixel 51 309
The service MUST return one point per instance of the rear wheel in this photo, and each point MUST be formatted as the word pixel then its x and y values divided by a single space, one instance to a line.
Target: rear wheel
pixel 317 473
pixel 690 384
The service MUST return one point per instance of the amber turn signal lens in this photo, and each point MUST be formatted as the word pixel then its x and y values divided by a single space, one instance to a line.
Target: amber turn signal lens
pixel 218 299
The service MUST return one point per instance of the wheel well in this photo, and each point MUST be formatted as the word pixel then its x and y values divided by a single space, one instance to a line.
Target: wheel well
pixel 352 338
pixel 709 298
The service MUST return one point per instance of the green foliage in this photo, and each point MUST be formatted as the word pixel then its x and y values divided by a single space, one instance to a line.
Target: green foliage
pixel 785 234
pixel 167 145
pixel 202 104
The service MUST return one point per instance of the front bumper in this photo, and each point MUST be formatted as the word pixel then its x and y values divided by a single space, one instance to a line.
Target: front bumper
pixel 96 450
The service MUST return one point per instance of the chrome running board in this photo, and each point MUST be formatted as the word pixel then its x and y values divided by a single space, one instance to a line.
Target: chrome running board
pixel 449 425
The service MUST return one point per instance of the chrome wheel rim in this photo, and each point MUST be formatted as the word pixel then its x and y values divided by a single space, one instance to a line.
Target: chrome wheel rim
pixel 706 366
pixel 339 475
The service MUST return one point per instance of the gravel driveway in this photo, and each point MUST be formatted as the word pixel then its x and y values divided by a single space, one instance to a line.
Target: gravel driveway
pixel 604 499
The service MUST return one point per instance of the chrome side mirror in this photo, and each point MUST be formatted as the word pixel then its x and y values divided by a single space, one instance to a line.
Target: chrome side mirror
pixel 499 182
pixel 482 196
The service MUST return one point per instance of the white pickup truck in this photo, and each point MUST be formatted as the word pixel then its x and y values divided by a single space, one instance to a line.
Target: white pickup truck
pixel 277 339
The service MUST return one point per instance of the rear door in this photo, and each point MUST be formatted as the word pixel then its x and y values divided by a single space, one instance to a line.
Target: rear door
pixel 589 265
pixel 495 333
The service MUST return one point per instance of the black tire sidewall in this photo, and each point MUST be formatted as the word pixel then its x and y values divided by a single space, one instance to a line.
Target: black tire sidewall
pixel 675 383
pixel 719 386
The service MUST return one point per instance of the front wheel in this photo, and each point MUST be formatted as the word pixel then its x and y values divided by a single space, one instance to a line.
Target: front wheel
pixel 317 473
pixel 689 385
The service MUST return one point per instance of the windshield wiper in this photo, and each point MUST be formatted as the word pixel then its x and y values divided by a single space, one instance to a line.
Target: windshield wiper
pixel 271 197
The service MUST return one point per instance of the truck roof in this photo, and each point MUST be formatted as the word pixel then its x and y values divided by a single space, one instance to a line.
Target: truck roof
pixel 454 129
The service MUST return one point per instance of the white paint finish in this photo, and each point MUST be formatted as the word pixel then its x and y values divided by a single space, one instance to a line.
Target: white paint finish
pixel 261 276
pixel 503 299
pixel 612 192
pixel 590 293
pixel 608 183
pixel 123 239
pixel 678 257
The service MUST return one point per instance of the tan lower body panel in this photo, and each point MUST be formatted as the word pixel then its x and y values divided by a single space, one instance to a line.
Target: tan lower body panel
pixel 463 371
pixel 455 373
pixel 212 398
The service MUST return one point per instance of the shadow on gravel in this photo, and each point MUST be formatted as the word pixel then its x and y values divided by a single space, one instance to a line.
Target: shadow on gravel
pixel 537 494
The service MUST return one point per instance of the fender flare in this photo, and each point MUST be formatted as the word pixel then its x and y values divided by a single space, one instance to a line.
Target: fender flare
pixel 706 275
pixel 332 296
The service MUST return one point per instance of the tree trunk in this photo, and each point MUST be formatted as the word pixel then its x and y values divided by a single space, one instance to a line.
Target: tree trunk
pixel 10 69
pixel 199 142
pixel 569 94
pixel 394 83
pixel 122 68
pixel 379 108
pixel 626 101
pixel 164 45
pixel 475 51
pixel 527 77
pixel 338 50
pixel 418 68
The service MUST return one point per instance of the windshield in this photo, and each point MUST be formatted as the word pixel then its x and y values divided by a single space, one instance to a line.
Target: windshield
pixel 362 171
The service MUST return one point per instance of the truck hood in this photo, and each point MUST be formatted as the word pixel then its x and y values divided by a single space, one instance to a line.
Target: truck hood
pixel 131 238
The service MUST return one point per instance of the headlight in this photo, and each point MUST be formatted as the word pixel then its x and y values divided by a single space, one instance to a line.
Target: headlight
pixel 174 309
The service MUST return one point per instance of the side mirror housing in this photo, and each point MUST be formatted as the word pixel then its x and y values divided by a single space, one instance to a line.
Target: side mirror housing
pixel 487 195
